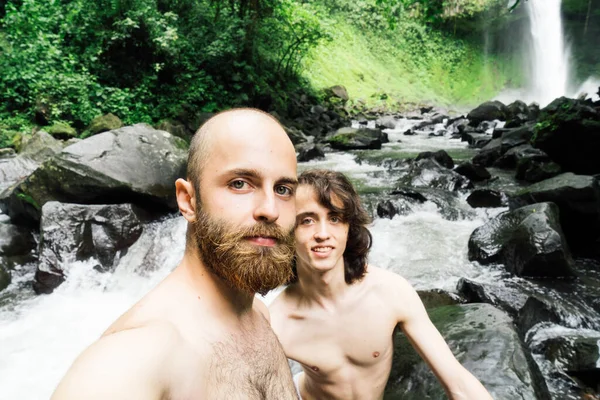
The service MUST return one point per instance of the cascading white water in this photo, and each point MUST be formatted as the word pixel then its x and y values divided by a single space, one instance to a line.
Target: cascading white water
pixel 549 56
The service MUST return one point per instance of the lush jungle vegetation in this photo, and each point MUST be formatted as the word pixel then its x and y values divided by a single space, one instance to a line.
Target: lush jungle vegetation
pixel 147 60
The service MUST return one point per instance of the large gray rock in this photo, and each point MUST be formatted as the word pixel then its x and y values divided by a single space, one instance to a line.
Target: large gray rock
pixel 529 241
pixel 484 341
pixel 578 199
pixel 13 169
pixel 71 232
pixel 133 164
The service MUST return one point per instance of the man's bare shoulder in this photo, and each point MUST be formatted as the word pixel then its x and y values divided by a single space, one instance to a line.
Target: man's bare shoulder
pixel 122 365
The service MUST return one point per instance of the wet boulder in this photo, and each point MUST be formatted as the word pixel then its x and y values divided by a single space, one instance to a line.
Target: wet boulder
pixel 487 198
pixel 441 156
pixel 518 109
pixel 578 199
pixel 516 137
pixel 386 209
pixel 488 111
pixel 133 164
pixel 568 130
pixel 428 173
pixel 72 232
pixel 532 168
pixel 5 276
pixel 473 172
pixel 15 240
pixel 575 354
pixel 529 242
pixel 484 341
pixel 386 122
pixel 502 294
pixel 510 159
pixel 489 153
pixel 357 139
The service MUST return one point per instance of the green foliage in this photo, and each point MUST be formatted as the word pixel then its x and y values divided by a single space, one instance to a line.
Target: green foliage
pixel 147 60
pixel 411 63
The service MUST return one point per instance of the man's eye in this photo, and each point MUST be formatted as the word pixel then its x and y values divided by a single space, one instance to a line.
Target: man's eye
pixel 335 219
pixel 283 190
pixel 238 184
pixel 306 221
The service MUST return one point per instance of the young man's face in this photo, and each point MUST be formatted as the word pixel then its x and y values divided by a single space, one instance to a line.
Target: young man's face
pixel 321 234
pixel 244 226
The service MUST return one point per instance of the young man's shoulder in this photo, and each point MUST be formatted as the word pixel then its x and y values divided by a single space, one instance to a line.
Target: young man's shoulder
pixel 384 278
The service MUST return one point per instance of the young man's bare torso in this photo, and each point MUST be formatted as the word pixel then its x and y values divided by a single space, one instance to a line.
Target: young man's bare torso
pixel 201 334
pixel 345 347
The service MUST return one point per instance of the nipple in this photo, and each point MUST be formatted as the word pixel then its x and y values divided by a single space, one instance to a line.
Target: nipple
pixel 375 354
pixel 315 368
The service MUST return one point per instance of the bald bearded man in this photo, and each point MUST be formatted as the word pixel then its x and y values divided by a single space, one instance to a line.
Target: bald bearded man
pixel 200 334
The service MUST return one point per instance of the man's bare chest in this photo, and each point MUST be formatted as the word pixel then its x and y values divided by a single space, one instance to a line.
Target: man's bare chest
pixel 238 367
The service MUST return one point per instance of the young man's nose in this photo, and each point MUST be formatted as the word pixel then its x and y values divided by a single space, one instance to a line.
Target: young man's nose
pixel 322 232
pixel 266 209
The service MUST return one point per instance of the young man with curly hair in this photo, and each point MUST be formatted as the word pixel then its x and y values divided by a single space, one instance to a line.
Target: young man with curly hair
pixel 338 316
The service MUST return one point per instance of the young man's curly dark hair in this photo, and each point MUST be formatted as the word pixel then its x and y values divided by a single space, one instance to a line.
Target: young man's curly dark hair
pixel 328 184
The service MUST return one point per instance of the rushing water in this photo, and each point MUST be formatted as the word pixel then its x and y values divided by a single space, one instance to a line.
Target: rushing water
pixel 41 335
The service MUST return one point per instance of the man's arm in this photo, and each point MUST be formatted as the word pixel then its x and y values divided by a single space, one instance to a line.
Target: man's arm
pixel 458 382
pixel 126 365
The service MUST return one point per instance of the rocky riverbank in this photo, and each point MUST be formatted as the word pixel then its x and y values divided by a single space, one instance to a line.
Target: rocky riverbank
pixel 532 333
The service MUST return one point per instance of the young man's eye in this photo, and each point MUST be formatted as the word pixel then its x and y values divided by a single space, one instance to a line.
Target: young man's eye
pixel 238 184
pixel 283 191
pixel 335 219
pixel 306 221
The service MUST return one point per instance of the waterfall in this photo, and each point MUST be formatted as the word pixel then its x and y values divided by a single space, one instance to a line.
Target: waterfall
pixel 548 54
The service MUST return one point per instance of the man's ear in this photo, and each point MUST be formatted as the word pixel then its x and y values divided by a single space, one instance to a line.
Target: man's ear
pixel 186 199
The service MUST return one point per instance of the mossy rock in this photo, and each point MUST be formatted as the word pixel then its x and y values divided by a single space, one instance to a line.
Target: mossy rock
pixel 104 123
pixel 62 130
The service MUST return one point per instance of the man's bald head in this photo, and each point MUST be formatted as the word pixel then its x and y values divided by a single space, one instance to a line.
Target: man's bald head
pixel 237 118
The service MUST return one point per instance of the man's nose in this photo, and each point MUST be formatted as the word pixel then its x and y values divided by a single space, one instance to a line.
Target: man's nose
pixel 266 209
